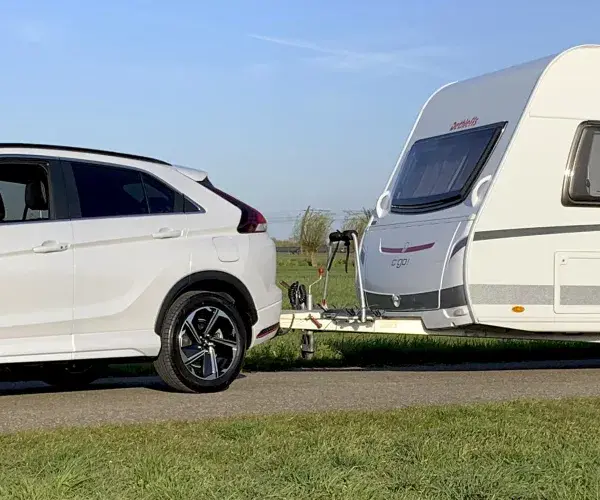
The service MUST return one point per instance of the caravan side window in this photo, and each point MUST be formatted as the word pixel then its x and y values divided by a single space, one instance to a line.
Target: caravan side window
pixel 584 185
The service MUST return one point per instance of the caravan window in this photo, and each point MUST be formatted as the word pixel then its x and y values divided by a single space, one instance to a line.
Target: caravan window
pixel 584 186
pixel 440 170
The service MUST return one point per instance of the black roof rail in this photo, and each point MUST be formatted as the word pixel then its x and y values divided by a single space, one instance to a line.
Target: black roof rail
pixel 81 150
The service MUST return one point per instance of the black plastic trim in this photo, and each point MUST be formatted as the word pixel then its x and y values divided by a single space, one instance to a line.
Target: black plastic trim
pixel 460 244
pixel 425 301
pixel 498 234
pixel 78 149
pixel 204 276
pixel 71 190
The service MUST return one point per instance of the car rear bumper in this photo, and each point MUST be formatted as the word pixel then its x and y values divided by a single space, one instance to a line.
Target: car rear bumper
pixel 267 325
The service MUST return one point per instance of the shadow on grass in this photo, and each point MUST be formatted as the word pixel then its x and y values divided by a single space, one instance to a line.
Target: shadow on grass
pixel 433 351
pixel 336 350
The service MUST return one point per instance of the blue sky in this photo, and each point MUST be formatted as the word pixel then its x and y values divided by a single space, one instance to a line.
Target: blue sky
pixel 284 103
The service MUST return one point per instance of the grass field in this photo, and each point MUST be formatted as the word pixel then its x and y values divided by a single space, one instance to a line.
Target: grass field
pixel 524 450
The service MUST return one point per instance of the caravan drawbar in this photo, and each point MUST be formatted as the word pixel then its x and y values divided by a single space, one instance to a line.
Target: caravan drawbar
pixel 489 224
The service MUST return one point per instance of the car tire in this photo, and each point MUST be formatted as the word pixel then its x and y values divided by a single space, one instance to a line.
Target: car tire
pixel 69 376
pixel 181 343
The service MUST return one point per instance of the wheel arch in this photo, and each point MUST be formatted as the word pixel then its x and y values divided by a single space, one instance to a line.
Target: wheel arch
pixel 213 281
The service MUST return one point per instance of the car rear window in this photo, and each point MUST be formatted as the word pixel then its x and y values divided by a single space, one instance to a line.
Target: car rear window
pixel 440 170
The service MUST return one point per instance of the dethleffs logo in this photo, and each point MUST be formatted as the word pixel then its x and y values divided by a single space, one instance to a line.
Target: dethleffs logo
pixel 468 122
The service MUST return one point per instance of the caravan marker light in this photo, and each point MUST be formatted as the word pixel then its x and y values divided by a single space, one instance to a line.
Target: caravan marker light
pixel 518 309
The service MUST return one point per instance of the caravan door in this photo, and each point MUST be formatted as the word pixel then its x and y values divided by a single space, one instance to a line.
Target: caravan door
pixel 435 194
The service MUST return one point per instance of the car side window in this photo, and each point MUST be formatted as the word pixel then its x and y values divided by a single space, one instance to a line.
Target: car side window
pixel 24 193
pixel 161 198
pixel 190 207
pixel 109 191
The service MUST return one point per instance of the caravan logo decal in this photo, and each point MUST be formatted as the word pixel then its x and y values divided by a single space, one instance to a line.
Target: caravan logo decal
pixel 469 122
pixel 407 248
pixel 401 262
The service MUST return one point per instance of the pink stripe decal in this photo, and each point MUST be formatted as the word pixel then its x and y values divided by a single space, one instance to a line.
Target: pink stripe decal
pixel 416 248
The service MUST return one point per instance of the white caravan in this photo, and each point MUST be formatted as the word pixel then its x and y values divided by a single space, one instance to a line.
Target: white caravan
pixel 490 221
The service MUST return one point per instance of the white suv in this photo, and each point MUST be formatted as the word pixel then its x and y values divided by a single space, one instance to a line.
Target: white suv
pixel 114 257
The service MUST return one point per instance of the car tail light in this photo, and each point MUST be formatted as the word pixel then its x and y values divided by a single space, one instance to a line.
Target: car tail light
pixel 252 221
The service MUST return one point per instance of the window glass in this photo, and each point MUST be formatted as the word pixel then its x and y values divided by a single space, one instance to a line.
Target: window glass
pixel 593 166
pixel 109 191
pixel 161 198
pixel 24 194
pixel 439 169
pixel 585 182
pixel 189 206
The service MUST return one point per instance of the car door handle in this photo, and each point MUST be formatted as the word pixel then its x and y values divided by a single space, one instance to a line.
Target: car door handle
pixel 51 246
pixel 167 232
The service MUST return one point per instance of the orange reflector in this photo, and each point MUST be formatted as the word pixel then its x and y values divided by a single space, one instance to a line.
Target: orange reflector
pixel 518 309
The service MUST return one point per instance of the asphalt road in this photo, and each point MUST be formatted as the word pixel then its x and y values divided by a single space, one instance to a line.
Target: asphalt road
pixel 31 406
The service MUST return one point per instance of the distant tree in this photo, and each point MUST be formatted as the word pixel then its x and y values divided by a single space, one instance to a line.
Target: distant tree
pixel 357 221
pixel 311 231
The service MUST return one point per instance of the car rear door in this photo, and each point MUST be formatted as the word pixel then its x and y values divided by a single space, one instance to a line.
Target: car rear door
pixel 129 250
pixel 36 262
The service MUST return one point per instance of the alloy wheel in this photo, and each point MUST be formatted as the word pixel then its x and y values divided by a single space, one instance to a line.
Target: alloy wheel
pixel 208 343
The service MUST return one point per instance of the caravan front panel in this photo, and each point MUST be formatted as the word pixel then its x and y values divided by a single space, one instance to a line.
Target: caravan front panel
pixel 413 254
pixel 438 175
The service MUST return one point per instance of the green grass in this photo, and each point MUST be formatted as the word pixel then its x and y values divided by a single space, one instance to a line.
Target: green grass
pixel 341 292
pixel 521 450
pixel 337 350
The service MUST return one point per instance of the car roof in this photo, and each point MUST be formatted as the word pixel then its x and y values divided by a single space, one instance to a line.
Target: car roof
pixel 81 153
pixel 77 149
